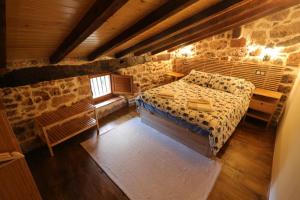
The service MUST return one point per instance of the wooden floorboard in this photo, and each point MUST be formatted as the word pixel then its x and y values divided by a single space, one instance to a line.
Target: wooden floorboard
pixel 72 173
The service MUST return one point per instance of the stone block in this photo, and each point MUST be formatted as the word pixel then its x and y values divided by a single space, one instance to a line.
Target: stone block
pixel 236 33
pixel 238 42
pixel 55 91
pixel 288 78
pixel 84 90
pixel 279 16
pixel 294 59
pixel 45 96
pixel 61 100
pixel 218 44
pixel 259 37
pixel 289 42
pixel 284 88
pixel 285 30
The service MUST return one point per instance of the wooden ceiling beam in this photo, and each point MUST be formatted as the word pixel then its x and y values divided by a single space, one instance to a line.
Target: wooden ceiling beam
pixel 98 13
pixel 254 12
pixel 219 18
pixel 2 34
pixel 181 26
pixel 200 36
pixel 168 9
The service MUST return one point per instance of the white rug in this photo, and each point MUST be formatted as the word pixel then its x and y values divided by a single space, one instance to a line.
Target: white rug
pixel 146 164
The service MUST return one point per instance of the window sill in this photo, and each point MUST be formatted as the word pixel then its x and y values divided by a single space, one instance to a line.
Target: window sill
pixel 109 101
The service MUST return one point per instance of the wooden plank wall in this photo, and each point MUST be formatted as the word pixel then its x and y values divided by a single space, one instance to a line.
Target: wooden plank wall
pixel 270 80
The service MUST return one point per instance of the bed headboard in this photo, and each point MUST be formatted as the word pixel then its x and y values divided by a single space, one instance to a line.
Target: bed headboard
pixel 269 78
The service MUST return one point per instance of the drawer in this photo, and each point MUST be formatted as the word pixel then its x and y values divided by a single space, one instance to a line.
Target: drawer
pixel 262 106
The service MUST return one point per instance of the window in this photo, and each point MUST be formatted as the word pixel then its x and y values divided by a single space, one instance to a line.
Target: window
pixel 100 86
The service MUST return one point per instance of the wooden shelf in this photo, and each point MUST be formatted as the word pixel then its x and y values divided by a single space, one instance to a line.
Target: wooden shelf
pixel 64 123
pixel 263 105
pixel 176 75
pixel 61 133
pixel 52 118
pixel 259 115
pixel 267 93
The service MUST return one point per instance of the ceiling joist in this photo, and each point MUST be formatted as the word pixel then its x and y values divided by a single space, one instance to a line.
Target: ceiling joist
pixel 99 12
pixel 2 34
pixel 255 10
pixel 168 9
pixel 181 26
pixel 232 12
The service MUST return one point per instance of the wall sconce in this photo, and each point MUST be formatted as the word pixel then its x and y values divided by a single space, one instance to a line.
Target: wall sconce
pixel 269 53
pixel 186 51
pixel 265 54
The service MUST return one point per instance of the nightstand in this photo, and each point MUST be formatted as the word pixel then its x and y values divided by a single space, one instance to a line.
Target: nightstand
pixel 263 104
pixel 175 75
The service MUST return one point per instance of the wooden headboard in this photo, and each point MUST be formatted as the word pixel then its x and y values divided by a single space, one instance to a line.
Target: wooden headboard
pixel 270 79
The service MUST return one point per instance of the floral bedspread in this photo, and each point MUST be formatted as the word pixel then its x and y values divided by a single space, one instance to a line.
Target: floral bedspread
pixel 220 123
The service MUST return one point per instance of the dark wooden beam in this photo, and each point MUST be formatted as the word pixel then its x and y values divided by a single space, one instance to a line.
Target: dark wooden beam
pixel 2 34
pixel 163 12
pixel 218 18
pixel 181 26
pixel 253 12
pixel 98 13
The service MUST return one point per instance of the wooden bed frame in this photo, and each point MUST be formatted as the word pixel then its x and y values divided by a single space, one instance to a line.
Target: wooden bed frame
pixel 195 141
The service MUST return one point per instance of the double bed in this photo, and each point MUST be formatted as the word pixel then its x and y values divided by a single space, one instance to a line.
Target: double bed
pixel 203 131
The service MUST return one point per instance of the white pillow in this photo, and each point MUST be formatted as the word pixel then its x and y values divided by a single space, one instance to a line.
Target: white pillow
pixel 198 77
pixel 225 83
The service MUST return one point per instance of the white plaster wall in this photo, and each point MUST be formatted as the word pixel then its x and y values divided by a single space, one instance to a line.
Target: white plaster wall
pixel 285 183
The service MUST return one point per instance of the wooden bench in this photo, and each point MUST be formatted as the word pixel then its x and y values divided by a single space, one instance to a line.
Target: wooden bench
pixel 67 122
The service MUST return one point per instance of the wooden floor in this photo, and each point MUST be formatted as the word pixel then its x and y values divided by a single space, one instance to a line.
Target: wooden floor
pixel 72 174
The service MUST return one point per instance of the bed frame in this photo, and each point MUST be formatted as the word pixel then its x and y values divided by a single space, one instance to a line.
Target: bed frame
pixel 195 141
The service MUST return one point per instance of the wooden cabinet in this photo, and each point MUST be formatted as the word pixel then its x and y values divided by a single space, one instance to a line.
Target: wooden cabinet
pixel 263 105
pixel 16 181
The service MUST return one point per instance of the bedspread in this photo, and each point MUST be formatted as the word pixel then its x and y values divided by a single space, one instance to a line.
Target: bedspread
pixel 228 108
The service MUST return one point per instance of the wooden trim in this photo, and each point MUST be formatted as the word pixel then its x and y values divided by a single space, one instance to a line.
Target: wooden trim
pixel 103 98
pixel 194 141
pixel 2 34
pixel 181 26
pixel 245 70
pixel 168 9
pixel 17 181
pixel 99 12
pixel 118 86
pixel 227 20
pixel 99 74
pixel 8 140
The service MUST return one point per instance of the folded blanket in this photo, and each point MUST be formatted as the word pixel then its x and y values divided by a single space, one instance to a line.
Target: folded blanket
pixel 201 101
pixel 166 94
pixel 206 107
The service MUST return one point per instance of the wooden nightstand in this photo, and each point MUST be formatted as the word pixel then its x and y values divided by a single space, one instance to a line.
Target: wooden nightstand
pixel 175 75
pixel 263 105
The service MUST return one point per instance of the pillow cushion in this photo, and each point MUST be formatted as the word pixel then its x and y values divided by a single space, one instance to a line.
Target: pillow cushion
pixel 225 83
pixel 198 77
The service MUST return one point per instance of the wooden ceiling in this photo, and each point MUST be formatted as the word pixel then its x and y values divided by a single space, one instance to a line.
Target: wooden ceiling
pixel 55 29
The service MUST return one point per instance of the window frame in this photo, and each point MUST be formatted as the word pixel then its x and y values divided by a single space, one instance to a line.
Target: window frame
pixel 104 97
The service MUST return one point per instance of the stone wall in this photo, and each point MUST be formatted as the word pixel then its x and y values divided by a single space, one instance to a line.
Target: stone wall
pixel 24 103
pixel 149 75
pixel 279 32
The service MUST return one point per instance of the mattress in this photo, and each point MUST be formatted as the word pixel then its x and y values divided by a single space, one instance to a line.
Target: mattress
pixel 218 124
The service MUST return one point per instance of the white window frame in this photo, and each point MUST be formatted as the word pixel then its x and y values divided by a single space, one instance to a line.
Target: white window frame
pixel 101 85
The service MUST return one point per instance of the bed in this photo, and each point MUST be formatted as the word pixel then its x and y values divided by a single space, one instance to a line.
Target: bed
pixel 203 131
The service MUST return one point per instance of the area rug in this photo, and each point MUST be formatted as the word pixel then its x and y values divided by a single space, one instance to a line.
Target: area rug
pixel 148 165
